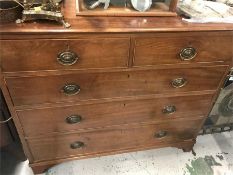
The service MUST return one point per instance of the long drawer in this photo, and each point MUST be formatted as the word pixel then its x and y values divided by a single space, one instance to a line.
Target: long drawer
pixel 79 117
pixel 84 86
pixel 183 48
pixel 103 141
pixel 33 55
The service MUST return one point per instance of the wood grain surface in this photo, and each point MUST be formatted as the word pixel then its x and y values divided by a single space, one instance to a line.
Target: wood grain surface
pixel 112 139
pixel 48 89
pixel 91 53
pixel 53 120
pixel 166 48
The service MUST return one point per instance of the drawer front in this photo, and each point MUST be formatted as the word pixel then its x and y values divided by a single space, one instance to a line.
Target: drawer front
pixel 79 117
pixel 182 49
pixel 79 87
pixel 32 55
pixel 103 141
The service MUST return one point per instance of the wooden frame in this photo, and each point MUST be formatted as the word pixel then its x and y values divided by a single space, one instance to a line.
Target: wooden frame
pixel 157 9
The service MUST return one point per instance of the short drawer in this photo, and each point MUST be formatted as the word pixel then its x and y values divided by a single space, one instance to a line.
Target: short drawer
pixel 33 55
pixel 96 86
pixel 183 48
pixel 105 141
pixel 80 117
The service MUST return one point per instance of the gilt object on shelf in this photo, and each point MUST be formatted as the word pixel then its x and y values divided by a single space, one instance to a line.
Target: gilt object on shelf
pixel 43 9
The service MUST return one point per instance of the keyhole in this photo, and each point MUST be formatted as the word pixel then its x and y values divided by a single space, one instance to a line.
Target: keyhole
pixel 67 47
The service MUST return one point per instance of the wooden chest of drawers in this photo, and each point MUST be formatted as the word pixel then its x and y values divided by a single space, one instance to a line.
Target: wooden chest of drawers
pixel 86 91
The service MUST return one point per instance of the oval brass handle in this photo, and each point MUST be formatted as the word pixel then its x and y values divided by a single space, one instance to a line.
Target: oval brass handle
pixel 169 109
pixel 77 145
pixel 179 82
pixel 74 119
pixel 188 53
pixel 71 89
pixel 161 134
pixel 67 58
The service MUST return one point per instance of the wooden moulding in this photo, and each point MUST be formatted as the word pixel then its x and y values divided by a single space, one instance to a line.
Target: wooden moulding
pixel 157 9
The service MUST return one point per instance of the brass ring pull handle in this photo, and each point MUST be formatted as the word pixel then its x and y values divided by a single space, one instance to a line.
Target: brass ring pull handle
pixel 161 134
pixel 188 53
pixel 73 119
pixel 67 58
pixel 170 109
pixel 77 145
pixel 71 89
pixel 5 121
pixel 179 82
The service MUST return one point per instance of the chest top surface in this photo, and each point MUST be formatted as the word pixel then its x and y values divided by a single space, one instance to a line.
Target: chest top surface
pixel 108 25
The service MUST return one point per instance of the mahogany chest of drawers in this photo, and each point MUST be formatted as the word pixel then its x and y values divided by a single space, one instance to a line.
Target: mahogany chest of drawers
pixel 86 91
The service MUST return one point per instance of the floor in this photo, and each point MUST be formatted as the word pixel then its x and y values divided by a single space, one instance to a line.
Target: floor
pixel 214 156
